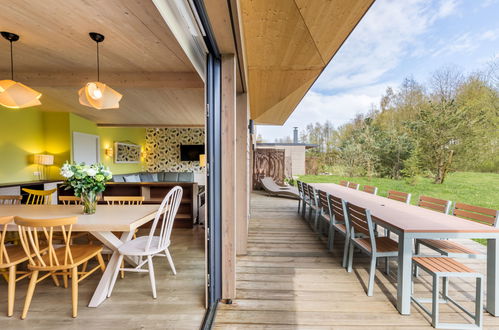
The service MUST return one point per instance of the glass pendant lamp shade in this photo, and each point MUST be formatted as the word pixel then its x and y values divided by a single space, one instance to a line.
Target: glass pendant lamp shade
pixel 13 94
pixel 99 96
pixel 16 95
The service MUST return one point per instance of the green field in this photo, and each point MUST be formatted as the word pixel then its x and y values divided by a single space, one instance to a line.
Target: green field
pixel 481 189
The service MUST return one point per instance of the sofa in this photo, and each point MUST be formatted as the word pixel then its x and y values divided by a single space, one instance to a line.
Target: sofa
pixel 154 177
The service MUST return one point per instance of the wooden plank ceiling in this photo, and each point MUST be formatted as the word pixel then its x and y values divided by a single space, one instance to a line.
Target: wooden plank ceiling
pixel 140 58
pixel 288 43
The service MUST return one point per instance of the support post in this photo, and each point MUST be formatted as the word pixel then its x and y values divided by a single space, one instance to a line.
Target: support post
pixel 242 174
pixel 228 177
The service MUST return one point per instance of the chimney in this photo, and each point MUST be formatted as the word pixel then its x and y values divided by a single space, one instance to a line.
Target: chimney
pixel 295 135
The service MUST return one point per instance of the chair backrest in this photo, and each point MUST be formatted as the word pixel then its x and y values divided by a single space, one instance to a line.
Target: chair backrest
pixel 39 197
pixel 10 199
pixel 4 255
pixel 312 195
pixel 435 204
pixel 164 219
pixel 36 236
pixel 353 185
pixel 124 200
pixel 338 214
pixel 361 223
pixel 300 188
pixel 322 201
pixel 477 213
pixel 344 183
pixel 370 189
pixel 399 196
pixel 70 200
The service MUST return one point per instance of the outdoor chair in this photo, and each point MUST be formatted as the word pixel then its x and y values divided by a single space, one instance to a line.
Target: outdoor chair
pixel 58 260
pixel 353 185
pixel 322 215
pixel 361 223
pixel 306 200
pixel 273 189
pixel 399 196
pixel 370 189
pixel 301 195
pixel 452 249
pixel 338 223
pixel 150 246
pixel 344 183
pixel 444 268
pixel 435 204
pixel 313 204
pixel 39 197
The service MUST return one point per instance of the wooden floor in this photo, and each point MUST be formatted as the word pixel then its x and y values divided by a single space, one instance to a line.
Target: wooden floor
pixel 180 302
pixel 289 280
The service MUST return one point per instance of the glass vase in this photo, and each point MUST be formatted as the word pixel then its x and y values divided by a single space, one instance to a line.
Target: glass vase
pixel 89 201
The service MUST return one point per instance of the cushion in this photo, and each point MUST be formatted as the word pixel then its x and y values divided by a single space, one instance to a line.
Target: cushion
pixel 118 178
pixel 185 177
pixel 132 178
pixel 146 177
pixel 170 177
pixel 154 177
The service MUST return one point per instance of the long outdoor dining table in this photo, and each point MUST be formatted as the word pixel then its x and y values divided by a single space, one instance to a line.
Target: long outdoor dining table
pixel 107 220
pixel 411 222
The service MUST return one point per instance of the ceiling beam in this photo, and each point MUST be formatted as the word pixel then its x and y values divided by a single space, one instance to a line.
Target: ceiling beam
pixel 182 80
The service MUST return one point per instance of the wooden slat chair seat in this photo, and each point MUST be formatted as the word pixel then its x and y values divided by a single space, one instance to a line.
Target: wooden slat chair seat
pixel 353 185
pixel 39 197
pixel 338 223
pixel 360 222
pixel 10 257
pixel 444 268
pixel 399 196
pixel 452 249
pixel 370 189
pixel 344 183
pixel 57 261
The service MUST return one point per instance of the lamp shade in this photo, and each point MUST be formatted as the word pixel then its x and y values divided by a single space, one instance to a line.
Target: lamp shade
pixel 99 96
pixel 202 160
pixel 16 95
pixel 44 159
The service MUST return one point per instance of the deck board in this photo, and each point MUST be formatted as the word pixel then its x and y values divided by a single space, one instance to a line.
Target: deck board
pixel 288 280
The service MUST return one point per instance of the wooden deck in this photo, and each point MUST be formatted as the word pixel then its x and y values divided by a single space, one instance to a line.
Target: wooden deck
pixel 180 302
pixel 289 280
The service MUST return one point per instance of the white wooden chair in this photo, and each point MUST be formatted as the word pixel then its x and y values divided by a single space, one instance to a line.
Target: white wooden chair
pixel 152 245
pixel 376 247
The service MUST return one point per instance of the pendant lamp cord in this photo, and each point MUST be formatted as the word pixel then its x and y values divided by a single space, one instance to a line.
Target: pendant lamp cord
pixel 98 68
pixel 11 62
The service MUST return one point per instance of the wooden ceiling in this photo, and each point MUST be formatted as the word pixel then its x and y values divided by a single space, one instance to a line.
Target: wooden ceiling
pixel 140 58
pixel 288 43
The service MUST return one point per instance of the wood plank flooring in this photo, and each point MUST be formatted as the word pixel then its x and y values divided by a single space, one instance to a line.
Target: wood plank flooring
pixel 289 280
pixel 180 302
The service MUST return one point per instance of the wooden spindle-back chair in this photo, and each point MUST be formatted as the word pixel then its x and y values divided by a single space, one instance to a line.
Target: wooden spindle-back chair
pixel 39 197
pixel 10 199
pixel 57 261
pixel 361 222
pixel 124 200
pixel 70 200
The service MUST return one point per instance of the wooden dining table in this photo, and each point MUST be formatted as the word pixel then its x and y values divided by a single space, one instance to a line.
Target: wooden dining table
pixel 411 222
pixel 107 220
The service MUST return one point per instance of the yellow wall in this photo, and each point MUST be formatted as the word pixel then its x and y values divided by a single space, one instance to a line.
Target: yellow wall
pixel 26 132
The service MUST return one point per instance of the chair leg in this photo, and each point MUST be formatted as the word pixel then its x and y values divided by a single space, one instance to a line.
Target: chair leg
pixel 445 288
pixel 345 251
pixel 65 280
pixel 434 307
pixel 151 276
pixel 29 294
pixel 74 290
pixel 55 280
pixel 122 272
pixel 372 274
pixel 11 290
pixel 478 303
pixel 416 252
pixel 330 241
pixel 350 256
pixel 84 267
pixel 170 261
pixel 387 266
pixel 115 275
pixel 101 262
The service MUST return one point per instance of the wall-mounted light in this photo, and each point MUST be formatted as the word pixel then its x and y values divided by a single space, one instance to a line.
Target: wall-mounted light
pixel 43 161
pixel 108 151
pixel 13 94
pixel 96 94
pixel 202 160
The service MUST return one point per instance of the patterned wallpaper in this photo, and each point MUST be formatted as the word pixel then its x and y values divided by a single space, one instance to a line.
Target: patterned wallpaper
pixel 163 148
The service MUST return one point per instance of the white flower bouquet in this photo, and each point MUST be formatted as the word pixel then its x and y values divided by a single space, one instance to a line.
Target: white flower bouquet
pixel 87 181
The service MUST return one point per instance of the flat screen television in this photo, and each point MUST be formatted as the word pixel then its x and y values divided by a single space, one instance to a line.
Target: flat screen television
pixel 191 152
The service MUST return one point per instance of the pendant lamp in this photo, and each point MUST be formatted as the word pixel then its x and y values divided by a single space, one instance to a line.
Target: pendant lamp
pixel 96 94
pixel 13 94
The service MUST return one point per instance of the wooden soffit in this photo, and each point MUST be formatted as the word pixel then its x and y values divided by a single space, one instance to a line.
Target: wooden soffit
pixel 288 43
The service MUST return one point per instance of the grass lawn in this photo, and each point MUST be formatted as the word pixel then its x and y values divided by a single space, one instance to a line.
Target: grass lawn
pixel 481 189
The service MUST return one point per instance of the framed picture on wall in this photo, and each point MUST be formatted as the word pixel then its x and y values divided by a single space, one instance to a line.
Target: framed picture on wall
pixel 126 153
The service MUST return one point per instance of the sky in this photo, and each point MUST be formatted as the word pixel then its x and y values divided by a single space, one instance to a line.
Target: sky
pixel 396 39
